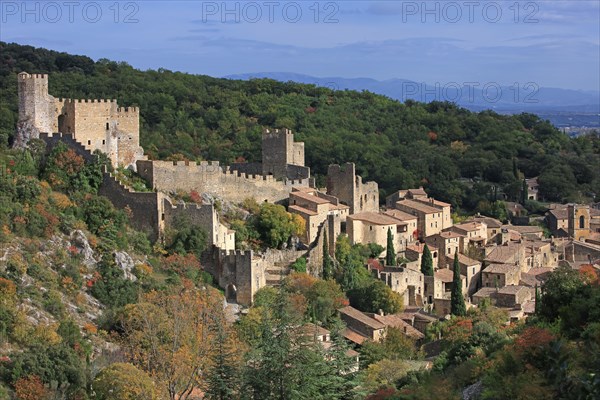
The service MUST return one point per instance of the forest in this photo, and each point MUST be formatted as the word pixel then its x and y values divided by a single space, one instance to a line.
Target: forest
pixel 467 159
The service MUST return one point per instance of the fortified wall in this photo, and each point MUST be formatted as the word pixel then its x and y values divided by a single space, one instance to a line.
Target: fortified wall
pixel 210 177
pixel 343 183
pixel 96 124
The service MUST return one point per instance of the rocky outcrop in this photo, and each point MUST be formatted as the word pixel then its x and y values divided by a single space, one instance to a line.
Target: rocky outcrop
pixel 26 131
pixel 80 242
pixel 126 263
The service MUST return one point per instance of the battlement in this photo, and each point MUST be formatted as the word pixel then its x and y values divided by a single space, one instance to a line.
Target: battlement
pixel 83 101
pixel 277 132
pixel 128 111
pixel 25 76
pixel 233 253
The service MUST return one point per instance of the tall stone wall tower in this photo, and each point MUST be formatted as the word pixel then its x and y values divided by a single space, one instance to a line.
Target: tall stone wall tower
pixel 578 222
pixel 37 109
pixel 280 154
pixel 96 124
pixel 343 183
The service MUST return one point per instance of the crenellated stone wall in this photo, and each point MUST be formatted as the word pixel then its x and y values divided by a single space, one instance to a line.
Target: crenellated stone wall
pixel 343 183
pixel 210 177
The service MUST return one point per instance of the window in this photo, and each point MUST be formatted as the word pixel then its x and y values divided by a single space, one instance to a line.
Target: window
pixel 103 141
pixel 582 222
pixel 107 126
pixel 89 142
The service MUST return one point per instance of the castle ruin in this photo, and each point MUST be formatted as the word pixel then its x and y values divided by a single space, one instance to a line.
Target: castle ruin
pixel 96 124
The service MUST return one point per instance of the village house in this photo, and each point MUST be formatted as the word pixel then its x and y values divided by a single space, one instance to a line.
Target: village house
pixel 418 318
pixel 513 296
pixel 314 207
pixel 406 230
pixel 474 233
pixel 532 188
pixel 319 335
pixel 370 227
pixel 448 243
pixel 402 194
pixel 493 227
pixel 396 321
pixel 408 282
pixel 433 216
pixel 361 327
pixel 414 252
pixel 471 270
pixel 500 275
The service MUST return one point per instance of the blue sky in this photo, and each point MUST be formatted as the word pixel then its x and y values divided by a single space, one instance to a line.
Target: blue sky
pixel 551 43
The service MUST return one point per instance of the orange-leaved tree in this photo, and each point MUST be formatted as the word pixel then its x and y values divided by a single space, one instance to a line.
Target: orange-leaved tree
pixel 168 335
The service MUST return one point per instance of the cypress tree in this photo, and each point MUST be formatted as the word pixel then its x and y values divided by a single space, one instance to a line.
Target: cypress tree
pixel 390 254
pixel 524 192
pixel 427 262
pixel 222 377
pixel 457 301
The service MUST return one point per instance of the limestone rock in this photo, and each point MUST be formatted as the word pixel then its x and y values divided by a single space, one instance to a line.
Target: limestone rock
pixel 79 240
pixel 26 131
pixel 125 262
pixel 473 392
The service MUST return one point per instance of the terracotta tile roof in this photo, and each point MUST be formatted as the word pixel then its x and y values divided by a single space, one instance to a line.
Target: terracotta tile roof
pixel 433 201
pixel 354 336
pixel 400 215
pixel 462 259
pixel 338 206
pixel 374 263
pixel 501 268
pixel 449 235
pixel 503 254
pixel 524 228
pixel 395 321
pixel 361 317
pixel 490 222
pixel 469 226
pixel 418 247
pixel 417 205
pixel 418 192
pixel 485 292
pixel 559 213
pixel 310 329
pixel 445 275
pixel 374 218
pixel 308 197
pixel 512 289
pixel 302 210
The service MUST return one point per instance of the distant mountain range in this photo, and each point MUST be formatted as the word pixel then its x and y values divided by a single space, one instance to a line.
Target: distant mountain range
pixel 503 99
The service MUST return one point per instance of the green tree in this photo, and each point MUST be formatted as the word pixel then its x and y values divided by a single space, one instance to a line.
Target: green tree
pixel 427 262
pixel 275 225
pixel 124 381
pixel 222 377
pixel 390 255
pixel 524 192
pixel 457 301
pixel 374 297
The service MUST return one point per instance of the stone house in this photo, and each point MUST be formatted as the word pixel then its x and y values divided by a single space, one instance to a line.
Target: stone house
pixel 414 252
pixel 432 216
pixel 369 227
pixel 449 243
pixel 557 221
pixel 314 207
pixel 532 188
pixel 361 327
pixel 471 269
pixel 474 233
pixel 406 229
pixel 396 321
pixel 402 194
pixel 493 226
pixel 405 281
pixel 513 296
pixel 500 275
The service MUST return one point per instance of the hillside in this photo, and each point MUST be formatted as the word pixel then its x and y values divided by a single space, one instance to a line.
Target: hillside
pixel 457 155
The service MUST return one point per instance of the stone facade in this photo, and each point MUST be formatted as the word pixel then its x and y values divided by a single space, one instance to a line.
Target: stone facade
pixel 281 156
pixel 432 216
pixel 210 177
pixel 96 124
pixel 343 183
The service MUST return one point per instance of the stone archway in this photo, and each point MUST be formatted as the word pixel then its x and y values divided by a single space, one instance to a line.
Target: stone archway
pixel 231 292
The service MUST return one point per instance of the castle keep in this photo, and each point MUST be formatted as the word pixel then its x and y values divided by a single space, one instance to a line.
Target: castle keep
pixel 96 124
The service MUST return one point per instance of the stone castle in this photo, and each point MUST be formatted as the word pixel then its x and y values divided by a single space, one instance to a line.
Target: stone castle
pixel 96 124
pixel 90 125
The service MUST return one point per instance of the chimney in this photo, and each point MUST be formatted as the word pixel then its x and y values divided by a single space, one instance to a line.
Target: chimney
pixel 381 312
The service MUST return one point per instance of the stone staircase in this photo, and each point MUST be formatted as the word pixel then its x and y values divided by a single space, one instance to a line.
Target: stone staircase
pixel 275 273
